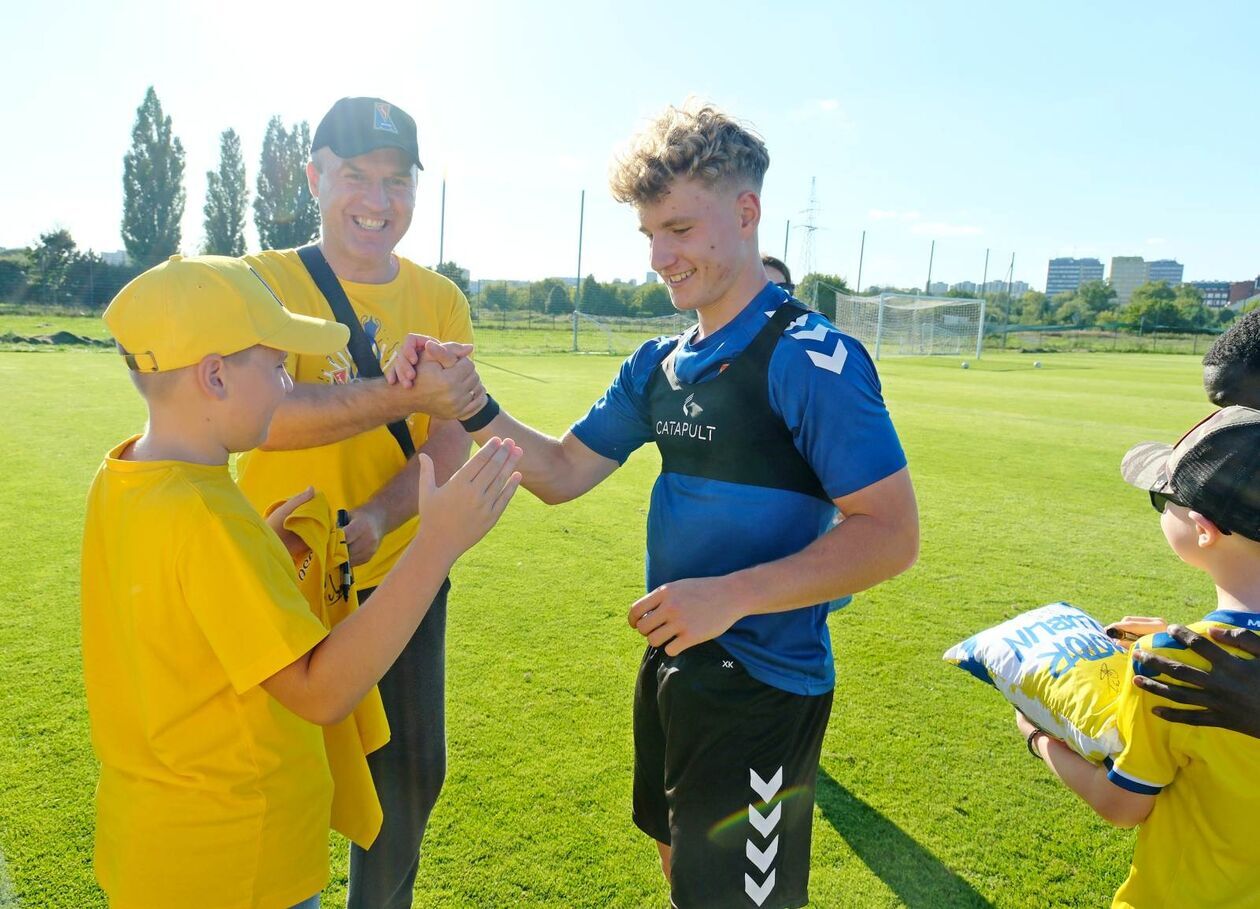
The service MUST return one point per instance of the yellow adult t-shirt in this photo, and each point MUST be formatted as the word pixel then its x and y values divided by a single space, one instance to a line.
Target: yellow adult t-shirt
pixel 351 471
pixel 1196 848
pixel 211 793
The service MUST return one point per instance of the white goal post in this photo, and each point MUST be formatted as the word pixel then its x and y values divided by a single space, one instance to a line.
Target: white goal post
pixel 909 325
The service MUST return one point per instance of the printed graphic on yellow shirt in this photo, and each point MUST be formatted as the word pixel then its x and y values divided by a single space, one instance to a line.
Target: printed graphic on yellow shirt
pixel 341 366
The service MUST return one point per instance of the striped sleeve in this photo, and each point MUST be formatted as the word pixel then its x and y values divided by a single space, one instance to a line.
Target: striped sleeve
pixel 1149 761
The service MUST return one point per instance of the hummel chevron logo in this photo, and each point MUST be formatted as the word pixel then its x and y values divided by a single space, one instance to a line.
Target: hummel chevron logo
pixel 817 333
pixel 834 362
pixel 758 894
pixel 767 790
pixel 761 859
pixel 764 825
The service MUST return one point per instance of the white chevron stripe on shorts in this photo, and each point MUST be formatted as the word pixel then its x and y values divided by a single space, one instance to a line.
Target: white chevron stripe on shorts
pixel 764 824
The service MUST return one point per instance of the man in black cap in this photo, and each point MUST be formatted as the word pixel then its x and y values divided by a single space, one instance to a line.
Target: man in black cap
pixel 349 434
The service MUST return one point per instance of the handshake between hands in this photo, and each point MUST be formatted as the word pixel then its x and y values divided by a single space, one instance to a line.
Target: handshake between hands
pixel 439 375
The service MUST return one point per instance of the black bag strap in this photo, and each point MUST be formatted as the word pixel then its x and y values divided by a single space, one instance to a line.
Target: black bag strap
pixel 360 347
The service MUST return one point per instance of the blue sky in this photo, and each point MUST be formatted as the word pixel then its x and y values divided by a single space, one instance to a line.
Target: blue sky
pixel 1038 129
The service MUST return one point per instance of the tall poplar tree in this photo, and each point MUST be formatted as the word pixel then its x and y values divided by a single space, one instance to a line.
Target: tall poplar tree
pixel 285 213
pixel 153 186
pixel 226 199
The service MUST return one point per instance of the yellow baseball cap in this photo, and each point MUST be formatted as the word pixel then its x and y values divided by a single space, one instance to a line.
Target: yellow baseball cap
pixel 185 309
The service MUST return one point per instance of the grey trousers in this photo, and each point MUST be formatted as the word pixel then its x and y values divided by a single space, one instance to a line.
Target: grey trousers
pixel 409 771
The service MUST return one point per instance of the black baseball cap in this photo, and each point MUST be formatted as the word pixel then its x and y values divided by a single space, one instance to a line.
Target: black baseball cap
pixel 1214 469
pixel 356 126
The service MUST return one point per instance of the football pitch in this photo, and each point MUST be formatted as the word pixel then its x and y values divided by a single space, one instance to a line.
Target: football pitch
pixel 926 796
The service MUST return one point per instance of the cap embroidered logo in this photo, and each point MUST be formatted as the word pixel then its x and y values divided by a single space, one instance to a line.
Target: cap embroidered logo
pixel 382 119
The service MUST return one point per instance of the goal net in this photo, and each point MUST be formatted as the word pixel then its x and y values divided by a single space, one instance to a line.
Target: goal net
pixel 622 335
pixel 907 325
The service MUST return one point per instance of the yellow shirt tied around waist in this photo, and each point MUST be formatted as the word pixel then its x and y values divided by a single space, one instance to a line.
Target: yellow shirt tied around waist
pixel 1197 846
pixel 211 793
pixel 356 810
pixel 351 471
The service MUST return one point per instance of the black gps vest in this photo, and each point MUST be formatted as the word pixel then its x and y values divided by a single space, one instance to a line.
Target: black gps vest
pixel 724 429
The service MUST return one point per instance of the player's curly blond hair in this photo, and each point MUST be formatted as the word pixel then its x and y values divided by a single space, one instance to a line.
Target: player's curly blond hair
pixel 696 141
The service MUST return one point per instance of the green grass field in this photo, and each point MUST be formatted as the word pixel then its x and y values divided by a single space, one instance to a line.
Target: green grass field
pixel 926 796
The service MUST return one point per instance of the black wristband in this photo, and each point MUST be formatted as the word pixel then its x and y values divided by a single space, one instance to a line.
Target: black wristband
pixel 481 419
pixel 1029 742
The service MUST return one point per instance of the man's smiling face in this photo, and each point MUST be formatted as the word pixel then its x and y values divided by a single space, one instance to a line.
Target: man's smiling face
pixel 365 203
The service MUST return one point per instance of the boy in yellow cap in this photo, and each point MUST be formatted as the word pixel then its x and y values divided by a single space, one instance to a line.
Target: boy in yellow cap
pixel 206 672
pixel 1191 788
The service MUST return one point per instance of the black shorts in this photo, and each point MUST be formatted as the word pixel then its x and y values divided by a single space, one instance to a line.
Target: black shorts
pixel 724 772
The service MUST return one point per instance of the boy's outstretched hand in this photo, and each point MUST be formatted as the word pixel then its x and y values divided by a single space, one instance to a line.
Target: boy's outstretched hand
pixel 1226 695
pixel 1132 627
pixel 461 511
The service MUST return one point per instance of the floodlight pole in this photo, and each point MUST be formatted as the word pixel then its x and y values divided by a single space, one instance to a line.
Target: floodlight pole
pixel 983 301
pixel 787 232
pixel 1010 275
pixel 577 291
pixel 442 227
pixel 927 288
pixel 861 256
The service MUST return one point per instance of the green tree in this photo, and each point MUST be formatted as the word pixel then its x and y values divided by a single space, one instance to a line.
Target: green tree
pixel 285 213
pixel 519 298
pixel 13 280
pixel 600 300
pixel 1033 308
pixel 558 300
pixel 494 295
pixel 998 309
pixel 153 186
pixel 1153 307
pixel 1193 314
pixel 227 197
pixel 1099 296
pixel 652 300
pixel 819 291
pixel 50 263
pixel 1075 310
pixel 455 273
pixel 92 283
pixel 534 296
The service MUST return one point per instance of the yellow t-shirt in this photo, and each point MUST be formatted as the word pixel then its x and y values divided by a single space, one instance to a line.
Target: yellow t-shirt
pixel 351 471
pixel 1196 846
pixel 211 793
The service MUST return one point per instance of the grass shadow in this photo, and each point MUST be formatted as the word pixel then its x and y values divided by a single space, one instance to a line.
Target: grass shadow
pixel 918 878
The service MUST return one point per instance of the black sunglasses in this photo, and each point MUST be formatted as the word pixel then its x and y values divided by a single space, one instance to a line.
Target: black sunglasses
pixel 786 285
pixel 1160 500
